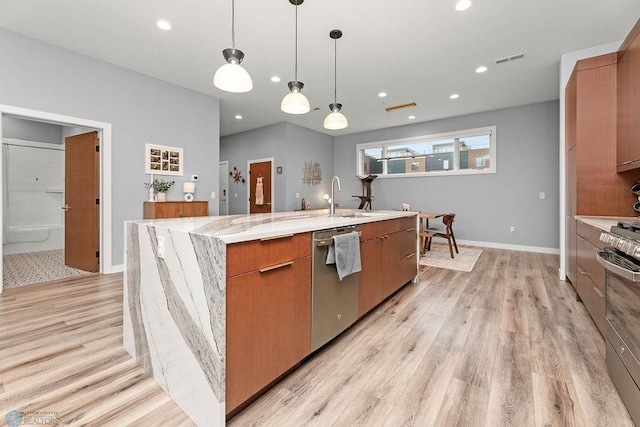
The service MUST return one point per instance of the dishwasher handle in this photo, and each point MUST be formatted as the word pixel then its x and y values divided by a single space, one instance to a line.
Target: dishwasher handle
pixel 319 243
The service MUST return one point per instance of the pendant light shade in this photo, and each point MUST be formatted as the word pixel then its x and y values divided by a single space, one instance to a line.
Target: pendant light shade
pixel 335 120
pixel 231 77
pixel 295 102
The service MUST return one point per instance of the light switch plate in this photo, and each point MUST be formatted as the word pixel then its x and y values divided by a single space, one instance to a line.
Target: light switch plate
pixel 213 195
pixel 160 240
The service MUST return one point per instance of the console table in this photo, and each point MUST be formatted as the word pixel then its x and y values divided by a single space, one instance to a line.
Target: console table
pixel 158 210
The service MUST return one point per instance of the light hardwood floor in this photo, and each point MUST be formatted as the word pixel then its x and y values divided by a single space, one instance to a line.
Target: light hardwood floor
pixel 506 344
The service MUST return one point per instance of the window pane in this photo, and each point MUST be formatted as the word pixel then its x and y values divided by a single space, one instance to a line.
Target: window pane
pixel 370 160
pixel 475 152
pixel 420 157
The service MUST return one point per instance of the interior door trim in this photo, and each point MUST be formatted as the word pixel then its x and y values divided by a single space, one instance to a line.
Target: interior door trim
pixel 104 133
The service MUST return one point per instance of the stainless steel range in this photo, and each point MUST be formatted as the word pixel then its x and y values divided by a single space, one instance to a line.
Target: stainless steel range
pixel 622 264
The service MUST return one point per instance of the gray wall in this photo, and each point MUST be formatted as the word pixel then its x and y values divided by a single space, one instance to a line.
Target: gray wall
pixel 290 146
pixel 485 205
pixel 29 130
pixel 43 77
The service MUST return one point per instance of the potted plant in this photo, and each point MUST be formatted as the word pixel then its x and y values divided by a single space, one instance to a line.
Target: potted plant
pixel 161 187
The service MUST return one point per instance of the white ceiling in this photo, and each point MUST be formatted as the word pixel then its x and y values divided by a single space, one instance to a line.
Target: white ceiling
pixel 415 50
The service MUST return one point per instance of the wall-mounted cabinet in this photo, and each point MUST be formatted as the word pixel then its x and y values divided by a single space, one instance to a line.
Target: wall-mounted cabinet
pixel 629 102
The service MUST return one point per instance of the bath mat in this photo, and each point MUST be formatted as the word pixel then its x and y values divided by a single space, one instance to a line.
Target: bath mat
pixel 36 267
pixel 439 257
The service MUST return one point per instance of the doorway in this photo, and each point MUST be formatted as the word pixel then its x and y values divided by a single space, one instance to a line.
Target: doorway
pixel 103 130
pixel 223 191
pixel 260 198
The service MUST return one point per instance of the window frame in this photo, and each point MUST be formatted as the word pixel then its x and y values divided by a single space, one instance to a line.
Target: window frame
pixel 455 135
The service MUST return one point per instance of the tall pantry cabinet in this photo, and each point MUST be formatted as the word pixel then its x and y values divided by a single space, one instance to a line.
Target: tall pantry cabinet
pixel 593 186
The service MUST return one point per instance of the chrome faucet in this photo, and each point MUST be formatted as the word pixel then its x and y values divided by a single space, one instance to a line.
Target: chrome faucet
pixel 332 205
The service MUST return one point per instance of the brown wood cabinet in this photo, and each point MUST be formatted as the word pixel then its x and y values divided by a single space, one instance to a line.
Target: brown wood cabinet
pixel 590 283
pixel 388 252
pixel 593 186
pixel 268 312
pixel 628 102
pixel 159 210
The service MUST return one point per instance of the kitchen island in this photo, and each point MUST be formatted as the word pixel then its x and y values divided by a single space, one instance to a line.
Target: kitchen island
pixel 216 308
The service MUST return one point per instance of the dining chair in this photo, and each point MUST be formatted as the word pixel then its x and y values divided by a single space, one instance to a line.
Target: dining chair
pixel 428 234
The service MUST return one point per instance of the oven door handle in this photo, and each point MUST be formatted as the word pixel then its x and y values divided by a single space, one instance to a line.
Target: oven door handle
pixel 616 269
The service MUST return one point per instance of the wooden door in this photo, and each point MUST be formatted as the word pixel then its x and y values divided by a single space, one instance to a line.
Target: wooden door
pixel 82 209
pixel 260 173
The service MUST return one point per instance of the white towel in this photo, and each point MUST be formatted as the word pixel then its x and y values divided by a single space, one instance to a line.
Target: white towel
pixel 259 192
pixel 345 253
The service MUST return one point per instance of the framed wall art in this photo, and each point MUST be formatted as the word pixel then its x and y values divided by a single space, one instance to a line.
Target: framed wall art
pixel 163 160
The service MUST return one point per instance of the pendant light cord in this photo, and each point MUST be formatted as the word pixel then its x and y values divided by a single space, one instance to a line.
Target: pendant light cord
pixel 233 25
pixel 335 70
pixel 295 71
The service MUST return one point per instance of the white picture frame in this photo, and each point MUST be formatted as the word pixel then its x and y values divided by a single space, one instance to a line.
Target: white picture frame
pixel 163 160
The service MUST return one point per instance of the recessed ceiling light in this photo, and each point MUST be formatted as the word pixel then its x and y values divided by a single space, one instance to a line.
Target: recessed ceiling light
pixel 382 94
pixel 238 117
pixel 481 69
pixel 463 5
pixel 275 79
pixel 454 96
pixel 163 25
pixel 412 117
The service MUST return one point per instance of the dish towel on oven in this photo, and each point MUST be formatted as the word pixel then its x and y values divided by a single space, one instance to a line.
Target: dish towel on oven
pixel 345 253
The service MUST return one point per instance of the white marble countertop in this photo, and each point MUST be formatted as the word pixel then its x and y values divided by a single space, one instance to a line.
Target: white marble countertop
pixel 241 228
pixel 605 223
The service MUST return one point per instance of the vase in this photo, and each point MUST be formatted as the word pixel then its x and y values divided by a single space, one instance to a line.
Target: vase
pixel 161 197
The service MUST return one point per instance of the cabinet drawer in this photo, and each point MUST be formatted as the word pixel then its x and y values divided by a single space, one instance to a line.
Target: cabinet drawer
pixel 407 242
pixel 370 230
pixel 268 327
pixel 590 233
pixel 588 262
pixel 250 256
pixel 408 222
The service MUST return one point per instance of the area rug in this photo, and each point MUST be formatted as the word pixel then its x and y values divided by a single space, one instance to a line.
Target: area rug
pixel 36 267
pixel 439 257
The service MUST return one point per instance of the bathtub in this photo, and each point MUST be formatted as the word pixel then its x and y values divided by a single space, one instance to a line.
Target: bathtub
pixel 33 239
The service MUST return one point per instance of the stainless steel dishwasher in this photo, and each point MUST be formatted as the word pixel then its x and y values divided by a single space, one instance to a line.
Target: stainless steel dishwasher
pixel 334 303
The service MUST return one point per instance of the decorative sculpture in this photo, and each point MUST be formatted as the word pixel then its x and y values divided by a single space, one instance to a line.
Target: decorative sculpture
pixel 365 199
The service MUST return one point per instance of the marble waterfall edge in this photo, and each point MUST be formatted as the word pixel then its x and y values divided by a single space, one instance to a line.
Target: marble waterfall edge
pixel 174 316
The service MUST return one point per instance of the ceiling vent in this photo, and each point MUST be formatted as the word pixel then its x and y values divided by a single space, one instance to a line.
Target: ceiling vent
pixel 510 58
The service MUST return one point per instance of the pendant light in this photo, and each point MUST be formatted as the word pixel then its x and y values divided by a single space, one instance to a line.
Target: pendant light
pixel 295 102
pixel 335 120
pixel 231 77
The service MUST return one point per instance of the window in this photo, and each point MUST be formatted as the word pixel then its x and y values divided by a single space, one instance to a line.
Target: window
pixel 463 152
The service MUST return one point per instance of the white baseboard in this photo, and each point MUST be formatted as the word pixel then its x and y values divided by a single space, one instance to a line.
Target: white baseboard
pixel 553 251
pixel 562 275
pixel 115 269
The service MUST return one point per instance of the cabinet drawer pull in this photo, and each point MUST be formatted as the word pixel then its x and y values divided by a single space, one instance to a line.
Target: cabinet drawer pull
pixel 275 267
pixel 581 271
pixel 598 291
pixel 410 255
pixel 284 236
pixel 408 230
